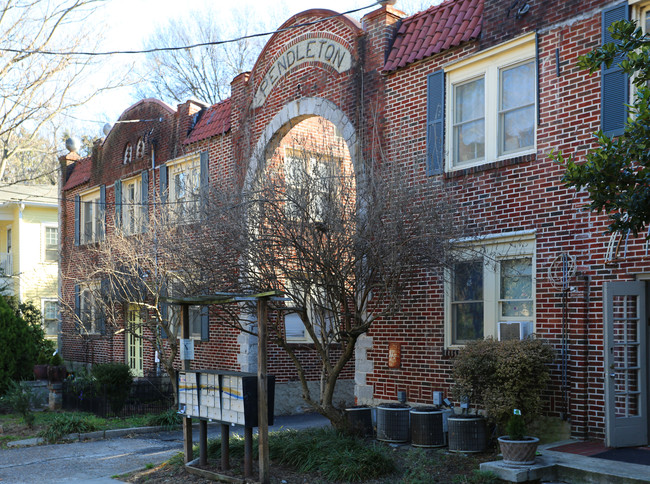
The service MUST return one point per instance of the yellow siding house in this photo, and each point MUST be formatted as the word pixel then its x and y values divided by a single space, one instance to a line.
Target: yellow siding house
pixel 29 248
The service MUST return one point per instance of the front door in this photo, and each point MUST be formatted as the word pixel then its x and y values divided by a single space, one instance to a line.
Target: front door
pixel 625 363
pixel 134 341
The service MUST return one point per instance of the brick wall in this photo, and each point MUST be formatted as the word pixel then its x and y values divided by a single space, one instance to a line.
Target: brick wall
pixel 388 113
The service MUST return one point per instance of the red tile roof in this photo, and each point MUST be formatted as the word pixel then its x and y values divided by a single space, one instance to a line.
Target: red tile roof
pixel 80 174
pixel 214 120
pixel 439 28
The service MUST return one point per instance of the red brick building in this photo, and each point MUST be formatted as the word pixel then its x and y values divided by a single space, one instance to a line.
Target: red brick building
pixel 475 93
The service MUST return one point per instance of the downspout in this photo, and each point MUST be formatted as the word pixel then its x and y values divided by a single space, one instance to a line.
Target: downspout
pixel 587 280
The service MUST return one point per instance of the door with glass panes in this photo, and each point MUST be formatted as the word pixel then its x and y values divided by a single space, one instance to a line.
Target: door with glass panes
pixel 626 363
pixel 134 343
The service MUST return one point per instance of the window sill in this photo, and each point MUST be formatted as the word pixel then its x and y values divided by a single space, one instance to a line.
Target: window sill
pixel 491 166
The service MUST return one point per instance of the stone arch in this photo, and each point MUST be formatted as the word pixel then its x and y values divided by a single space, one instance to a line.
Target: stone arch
pixel 294 112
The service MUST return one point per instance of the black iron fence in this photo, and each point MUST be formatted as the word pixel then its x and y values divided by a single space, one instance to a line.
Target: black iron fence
pixel 147 395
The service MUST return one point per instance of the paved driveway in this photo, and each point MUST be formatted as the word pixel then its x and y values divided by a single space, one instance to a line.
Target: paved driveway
pixel 96 461
pixel 92 462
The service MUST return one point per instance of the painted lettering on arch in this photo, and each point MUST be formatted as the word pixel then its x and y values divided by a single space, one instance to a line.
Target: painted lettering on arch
pixel 314 49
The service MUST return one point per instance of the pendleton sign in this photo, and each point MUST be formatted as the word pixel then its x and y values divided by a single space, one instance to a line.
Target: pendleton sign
pixel 314 49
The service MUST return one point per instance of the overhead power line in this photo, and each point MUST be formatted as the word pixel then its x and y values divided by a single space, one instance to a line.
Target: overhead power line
pixel 184 47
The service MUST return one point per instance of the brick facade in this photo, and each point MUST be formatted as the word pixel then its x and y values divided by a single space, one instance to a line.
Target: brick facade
pixel 383 113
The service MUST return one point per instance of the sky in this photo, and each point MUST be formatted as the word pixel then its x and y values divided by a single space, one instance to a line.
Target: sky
pixel 126 25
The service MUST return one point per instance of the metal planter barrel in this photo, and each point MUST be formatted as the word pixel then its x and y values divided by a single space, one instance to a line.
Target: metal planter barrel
pixel 427 427
pixel 393 422
pixel 467 433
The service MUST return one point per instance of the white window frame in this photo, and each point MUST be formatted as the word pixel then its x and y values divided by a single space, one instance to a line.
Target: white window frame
pixel 292 316
pixel 89 229
pixel 174 313
pixel 330 165
pixel 132 207
pixel 491 251
pixel 88 310
pixel 183 206
pixel 488 65
pixel 44 304
pixel 45 244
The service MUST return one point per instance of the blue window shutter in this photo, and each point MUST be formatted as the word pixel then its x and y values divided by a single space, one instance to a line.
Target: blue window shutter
pixel 163 183
pixel 204 181
pixel 77 219
pixel 101 313
pixel 77 307
pixel 435 123
pixel 101 230
pixel 145 199
pixel 118 203
pixel 164 311
pixel 205 323
pixel 614 83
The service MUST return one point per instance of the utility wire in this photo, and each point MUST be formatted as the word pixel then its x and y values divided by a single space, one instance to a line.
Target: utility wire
pixel 185 47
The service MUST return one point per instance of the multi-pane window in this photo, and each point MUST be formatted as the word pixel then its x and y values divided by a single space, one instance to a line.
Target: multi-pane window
pixel 491 103
pixel 311 181
pixel 467 301
pixel 469 121
pixel 491 284
pixel 91 217
pixel 322 320
pixel 50 317
pixel 51 244
pixel 88 311
pixel 132 207
pixel 184 190
pixel 517 108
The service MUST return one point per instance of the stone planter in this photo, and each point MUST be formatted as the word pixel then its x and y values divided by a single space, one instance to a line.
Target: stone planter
pixel 518 452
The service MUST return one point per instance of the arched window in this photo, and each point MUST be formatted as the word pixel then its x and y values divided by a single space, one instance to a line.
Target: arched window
pixel 139 149
pixel 128 153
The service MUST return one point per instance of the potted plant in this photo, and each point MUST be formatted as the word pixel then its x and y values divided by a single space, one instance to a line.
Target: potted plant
pixel 518 449
pixel 40 368
pixel 56 371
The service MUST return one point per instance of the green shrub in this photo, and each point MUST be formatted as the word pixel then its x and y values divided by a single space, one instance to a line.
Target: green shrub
pixel 22 340
pixel 56 360
pixel 20 399
pixel 477 477
pixel 331 454
pixel 504 375
pixel 334 456
pixel 516 427
pixel 115 379
pixel 65 424
pixel 168 419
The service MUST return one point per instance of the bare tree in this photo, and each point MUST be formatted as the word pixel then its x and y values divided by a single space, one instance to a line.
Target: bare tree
pixel 344 248
pixel 36 87
pixel 205 72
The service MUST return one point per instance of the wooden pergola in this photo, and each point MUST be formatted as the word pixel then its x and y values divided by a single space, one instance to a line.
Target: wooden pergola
pixel 262 301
